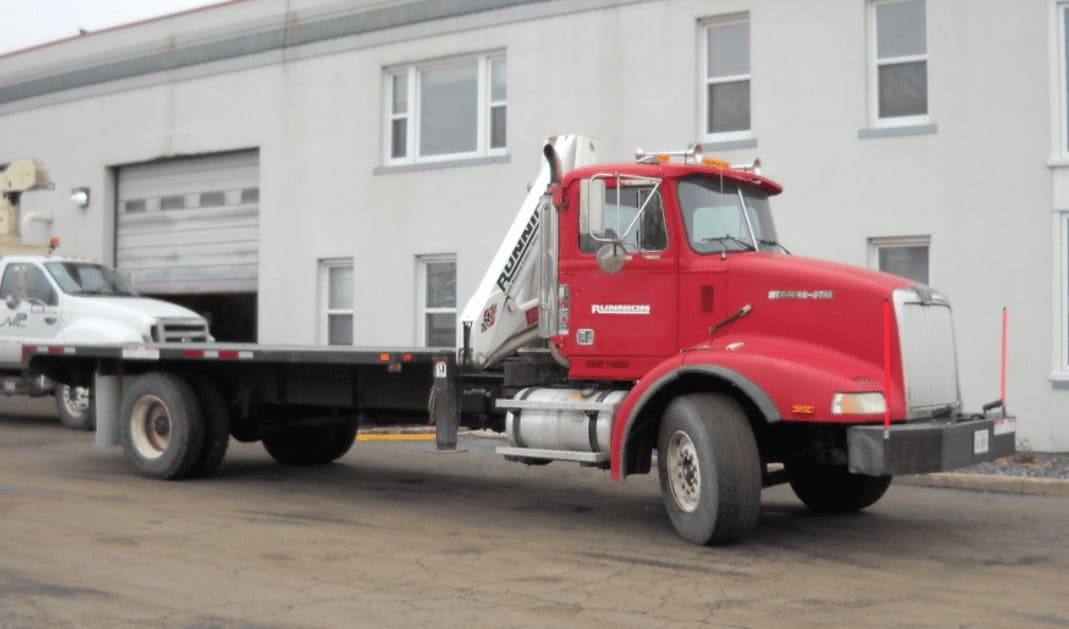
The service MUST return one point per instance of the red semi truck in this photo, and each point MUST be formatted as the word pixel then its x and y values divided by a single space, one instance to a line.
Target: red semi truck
pixel 636 314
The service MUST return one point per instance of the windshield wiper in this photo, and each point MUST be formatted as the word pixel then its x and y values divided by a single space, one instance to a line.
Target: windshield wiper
pixel 723 240
pixel 773 243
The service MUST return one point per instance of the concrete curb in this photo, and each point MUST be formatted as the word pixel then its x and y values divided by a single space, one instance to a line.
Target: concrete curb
pixel 988 482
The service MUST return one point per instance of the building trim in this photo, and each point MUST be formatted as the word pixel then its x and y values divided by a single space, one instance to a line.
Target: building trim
pixel 729 145
pixel 895 132
pixel 287 36
pixel 450 163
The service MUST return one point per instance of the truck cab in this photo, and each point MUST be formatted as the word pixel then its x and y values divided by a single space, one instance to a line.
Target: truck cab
pixel 53 301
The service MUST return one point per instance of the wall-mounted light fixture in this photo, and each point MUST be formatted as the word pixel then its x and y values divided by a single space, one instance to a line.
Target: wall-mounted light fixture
pixel 80 197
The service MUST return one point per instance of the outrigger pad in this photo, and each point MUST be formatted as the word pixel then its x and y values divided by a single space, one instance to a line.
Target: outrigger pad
pixel 923 447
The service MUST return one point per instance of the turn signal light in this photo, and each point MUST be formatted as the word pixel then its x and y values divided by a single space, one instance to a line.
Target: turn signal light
pixel 858 404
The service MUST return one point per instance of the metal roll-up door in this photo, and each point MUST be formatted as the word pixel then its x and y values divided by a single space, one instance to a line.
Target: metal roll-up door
pixel 191 225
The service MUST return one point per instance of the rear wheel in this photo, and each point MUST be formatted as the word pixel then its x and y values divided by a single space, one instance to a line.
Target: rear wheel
pixel 162 426
pixel 216 427
pixel 310 445
pixel 832 488
pixel 74 405
pixel 709 469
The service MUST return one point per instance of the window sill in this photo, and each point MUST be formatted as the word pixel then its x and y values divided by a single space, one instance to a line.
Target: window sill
pixel 1060 379
pixel 896 132
pixel 729 145
pixel 449 163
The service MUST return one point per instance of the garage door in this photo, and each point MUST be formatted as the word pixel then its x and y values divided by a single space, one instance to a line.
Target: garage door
pixel 191 225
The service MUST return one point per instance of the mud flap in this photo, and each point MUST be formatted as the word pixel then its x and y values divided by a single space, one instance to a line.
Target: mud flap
pixel 920 448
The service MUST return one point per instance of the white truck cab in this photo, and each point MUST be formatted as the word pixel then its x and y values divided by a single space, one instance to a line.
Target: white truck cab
pixel 46 300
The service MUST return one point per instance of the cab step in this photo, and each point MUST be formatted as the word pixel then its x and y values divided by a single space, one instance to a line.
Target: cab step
pixel 591 458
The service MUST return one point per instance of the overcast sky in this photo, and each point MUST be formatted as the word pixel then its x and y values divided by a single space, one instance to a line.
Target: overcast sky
pixel 25 23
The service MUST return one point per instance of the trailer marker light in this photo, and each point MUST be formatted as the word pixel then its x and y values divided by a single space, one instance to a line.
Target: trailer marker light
pixel 407 357
pixel 193 353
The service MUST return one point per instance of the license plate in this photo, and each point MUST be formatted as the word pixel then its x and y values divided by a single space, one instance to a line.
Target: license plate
pixel 981 442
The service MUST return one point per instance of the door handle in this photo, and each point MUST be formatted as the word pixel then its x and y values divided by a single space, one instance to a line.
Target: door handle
pixel 50 320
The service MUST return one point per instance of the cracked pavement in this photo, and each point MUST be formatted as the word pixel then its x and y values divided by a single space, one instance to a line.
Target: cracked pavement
pixel 397 535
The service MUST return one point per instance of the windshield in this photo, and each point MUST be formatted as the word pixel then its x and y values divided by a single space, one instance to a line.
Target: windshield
pixel 86 278
pixel 715 214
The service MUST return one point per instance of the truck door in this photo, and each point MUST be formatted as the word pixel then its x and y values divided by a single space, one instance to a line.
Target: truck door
pixel 622 323
pixel 29 310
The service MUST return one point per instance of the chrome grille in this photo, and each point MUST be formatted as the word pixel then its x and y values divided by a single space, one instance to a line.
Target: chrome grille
pixel 181 331
pixel 929 355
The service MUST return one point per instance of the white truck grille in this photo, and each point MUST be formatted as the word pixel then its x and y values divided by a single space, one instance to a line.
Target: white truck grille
pixel 929 356
pixel 180 331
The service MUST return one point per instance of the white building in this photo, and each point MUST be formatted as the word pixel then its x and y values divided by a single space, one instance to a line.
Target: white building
pixel 282 165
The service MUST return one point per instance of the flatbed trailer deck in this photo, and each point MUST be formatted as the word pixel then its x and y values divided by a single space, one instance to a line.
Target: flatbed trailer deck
pixel 267 388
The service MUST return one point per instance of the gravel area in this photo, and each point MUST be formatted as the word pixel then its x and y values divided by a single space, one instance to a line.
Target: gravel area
pixel 1026 463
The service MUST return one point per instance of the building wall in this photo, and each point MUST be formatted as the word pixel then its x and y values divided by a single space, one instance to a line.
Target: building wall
pixel 624 72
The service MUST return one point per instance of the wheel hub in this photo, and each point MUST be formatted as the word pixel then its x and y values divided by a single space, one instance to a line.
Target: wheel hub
pixel 150 427
pixel 684 471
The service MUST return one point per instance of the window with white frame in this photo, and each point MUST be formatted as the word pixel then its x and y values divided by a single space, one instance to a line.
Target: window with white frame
pixel 437 288
pixel 726 73
pixel 1062 300
pixel 336 301
pixel 899 53
pixel 449 109
pixel 1063 64
pixel 906 257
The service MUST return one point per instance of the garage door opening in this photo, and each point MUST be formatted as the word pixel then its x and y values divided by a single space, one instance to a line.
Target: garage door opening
pixel 231 316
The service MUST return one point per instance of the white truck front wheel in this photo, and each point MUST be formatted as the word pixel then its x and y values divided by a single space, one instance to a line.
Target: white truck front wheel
pixel 74 405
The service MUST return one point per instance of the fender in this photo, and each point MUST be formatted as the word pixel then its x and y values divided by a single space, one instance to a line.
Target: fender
pixel 785 379
pixel 663 375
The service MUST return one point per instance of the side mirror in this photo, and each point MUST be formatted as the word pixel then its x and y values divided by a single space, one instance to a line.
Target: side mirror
pixel 19 291
pixel 592 206
pixel 611 257
pixel 11 302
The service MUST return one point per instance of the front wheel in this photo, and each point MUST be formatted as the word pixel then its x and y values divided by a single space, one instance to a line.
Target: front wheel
pixel 832 488
pixel 74 405
pixel 709 469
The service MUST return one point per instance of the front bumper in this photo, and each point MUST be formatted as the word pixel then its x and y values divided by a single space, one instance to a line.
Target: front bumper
pixel 923 447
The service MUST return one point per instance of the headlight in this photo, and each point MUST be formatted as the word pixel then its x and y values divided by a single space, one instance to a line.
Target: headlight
pixel 858 404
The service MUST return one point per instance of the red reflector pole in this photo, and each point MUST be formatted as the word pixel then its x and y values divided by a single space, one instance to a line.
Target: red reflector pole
pixel 1002 368
pixel 886 367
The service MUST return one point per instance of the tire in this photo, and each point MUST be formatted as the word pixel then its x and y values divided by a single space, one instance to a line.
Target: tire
pixel 161 426
pixel 216 427
pixel 310 445
pixel 832 488
pixel 709 468
pixel 74 405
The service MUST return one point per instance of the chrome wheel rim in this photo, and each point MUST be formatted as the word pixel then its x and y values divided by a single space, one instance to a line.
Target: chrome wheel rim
pixel 75 399
pixel 684 473
pixel 150 427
